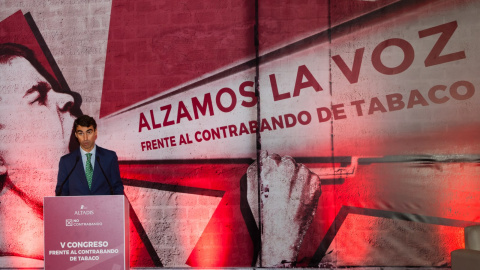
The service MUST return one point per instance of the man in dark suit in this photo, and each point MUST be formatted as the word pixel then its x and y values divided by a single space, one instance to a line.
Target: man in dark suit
pixel 89 170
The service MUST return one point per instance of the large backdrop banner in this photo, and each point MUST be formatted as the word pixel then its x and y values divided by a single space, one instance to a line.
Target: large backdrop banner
pixel 250 133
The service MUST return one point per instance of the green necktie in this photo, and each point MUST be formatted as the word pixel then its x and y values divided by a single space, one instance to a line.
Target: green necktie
pixel 89 170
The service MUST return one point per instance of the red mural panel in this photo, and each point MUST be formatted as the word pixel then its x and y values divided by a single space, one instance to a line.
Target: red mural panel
pixel 225 236
pixel 154 47
pixel 15 29
pixel 375 100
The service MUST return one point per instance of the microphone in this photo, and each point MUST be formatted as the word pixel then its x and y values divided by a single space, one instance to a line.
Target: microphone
pixel 108 182
pixel 59 192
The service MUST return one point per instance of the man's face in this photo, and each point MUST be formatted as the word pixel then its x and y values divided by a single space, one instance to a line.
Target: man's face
pixel 86 137
pixel 35 127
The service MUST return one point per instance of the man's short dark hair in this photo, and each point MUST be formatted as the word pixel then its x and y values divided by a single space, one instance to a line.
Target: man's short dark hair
pixel 84 121
pixel 9 51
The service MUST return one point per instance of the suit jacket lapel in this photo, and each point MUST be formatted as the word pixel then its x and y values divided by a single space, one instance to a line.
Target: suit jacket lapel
pixel 79 172
pixel 97 171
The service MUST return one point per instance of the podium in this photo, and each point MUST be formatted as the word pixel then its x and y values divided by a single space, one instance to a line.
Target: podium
pixel 86 232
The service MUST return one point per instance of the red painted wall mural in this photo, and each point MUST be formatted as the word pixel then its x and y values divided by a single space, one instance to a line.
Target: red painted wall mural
pixel 250 133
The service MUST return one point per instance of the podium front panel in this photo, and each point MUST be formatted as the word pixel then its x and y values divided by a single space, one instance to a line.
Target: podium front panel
pixel 86 232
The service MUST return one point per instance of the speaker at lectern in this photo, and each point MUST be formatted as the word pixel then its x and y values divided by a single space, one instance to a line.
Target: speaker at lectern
pixel 86 232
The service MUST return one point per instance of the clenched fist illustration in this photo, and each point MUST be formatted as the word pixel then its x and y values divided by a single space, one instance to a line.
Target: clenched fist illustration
pixel 289 194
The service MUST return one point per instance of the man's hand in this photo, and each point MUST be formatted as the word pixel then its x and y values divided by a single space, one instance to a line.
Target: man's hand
pixel 289 195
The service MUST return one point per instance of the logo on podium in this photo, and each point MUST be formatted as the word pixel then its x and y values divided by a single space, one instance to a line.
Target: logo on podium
pixel 69 222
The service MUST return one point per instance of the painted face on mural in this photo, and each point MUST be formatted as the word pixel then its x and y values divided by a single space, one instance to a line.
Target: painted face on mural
pixel 35 127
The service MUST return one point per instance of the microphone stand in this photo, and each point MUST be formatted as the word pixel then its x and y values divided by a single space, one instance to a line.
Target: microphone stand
pixel 59 192
pixel 108 182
